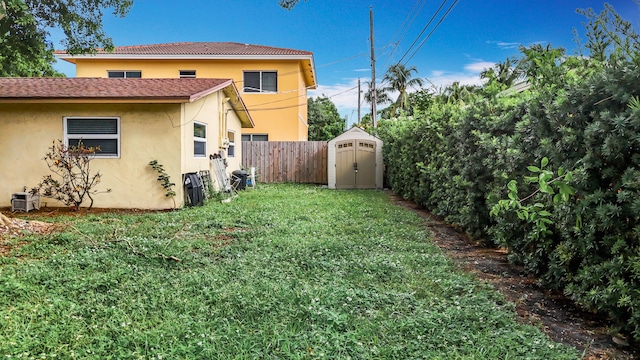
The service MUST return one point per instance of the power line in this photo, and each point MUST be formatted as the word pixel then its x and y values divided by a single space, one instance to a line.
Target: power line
pixel 414 11
pixel 342 92
pixel 434 29
pixel 423 30
pixel 253 106
pixel 343 60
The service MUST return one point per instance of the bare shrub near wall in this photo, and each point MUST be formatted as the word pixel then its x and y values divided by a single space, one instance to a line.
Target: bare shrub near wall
pixel 74 181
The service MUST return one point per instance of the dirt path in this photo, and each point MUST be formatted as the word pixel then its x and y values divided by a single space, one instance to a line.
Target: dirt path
pixel 553 313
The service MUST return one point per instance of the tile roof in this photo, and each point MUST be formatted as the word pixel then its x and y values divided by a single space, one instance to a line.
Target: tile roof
pixel 202 49
pixel 181 90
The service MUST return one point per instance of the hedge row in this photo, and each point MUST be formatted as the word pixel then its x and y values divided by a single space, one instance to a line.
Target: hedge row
pixel 456 161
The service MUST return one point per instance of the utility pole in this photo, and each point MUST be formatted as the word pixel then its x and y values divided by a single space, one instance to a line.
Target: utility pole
pixel 374 97
pixel 358 102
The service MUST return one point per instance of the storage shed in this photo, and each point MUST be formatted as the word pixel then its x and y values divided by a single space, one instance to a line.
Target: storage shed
pixel 355 161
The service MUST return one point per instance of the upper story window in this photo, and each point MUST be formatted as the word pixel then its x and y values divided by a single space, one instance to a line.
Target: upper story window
pixel 124 74
pixel 103 132
pixel 199 139
pixel 187 74
pixel 260 82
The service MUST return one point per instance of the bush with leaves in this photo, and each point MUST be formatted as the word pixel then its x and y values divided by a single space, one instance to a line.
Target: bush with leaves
pixel 582 116
pixel 73 182
pixel 164 179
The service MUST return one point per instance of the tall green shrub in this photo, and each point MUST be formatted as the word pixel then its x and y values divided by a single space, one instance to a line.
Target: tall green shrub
pixel 457 161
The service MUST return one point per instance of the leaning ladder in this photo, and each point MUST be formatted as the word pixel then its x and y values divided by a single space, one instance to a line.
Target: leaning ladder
pixel 221 175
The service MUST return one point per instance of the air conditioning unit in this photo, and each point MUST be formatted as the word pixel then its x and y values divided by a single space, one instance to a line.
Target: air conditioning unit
pixel 24 201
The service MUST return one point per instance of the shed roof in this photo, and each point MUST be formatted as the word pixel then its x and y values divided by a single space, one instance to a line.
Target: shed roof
pixel 355 133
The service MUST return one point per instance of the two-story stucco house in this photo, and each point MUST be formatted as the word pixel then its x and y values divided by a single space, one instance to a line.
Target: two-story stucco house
pixel 273 82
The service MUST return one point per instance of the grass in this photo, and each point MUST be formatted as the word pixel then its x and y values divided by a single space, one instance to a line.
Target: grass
pixel 282 272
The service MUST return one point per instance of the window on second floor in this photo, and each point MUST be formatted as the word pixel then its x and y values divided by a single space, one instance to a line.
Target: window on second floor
pixel 187 74
pixel 124 73
pixel 260 81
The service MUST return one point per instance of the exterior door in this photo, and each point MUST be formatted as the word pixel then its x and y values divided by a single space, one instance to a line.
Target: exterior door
pixel 355 164
pixel 345 158
pixel 366 164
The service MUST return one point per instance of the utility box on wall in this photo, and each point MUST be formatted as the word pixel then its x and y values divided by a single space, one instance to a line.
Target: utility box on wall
pixel 24 201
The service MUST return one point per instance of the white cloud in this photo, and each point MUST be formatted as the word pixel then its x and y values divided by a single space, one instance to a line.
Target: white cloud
pixel 504 44
pixel 479 66
pixel 469 76
pixel 448 78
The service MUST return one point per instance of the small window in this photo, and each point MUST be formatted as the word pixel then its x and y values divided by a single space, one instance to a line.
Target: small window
pixel 94 132
pixel 187 74
pixel 124 74
pixel 255 137
pixel 231 150
pixel 199 139
pixel 260 82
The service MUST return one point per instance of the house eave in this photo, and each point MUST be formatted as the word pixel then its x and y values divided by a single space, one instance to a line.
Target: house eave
pixel 70 58
pixel 238 106
pixel 27 100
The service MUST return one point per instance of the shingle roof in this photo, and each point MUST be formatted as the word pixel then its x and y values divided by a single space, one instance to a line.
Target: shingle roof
pixel 203 49
pixel 108 89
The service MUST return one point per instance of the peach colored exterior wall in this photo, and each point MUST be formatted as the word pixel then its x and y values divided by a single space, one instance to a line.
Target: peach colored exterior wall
pixel 283 115
pixel 162 132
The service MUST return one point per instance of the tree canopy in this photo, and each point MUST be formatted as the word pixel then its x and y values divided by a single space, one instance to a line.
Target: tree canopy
pixel 288 4
pixel 25 45
pixel 325 122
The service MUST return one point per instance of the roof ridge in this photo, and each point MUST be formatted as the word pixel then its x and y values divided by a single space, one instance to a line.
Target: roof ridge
pixel 222 48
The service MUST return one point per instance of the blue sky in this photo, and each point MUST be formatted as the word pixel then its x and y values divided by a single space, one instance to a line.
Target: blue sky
pixel 475 34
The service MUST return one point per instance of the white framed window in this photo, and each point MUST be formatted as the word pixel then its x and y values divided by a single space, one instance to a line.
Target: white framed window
pixel 255 137
pixel 102 132
pixel 187 74
pixel 231 149
pixel 124 74
pixel 199 139
pixel 260 81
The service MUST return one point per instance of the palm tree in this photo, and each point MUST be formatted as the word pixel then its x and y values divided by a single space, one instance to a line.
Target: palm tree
pixel 381 96
pixel 399 79
pixel 506 73
pixel 457 93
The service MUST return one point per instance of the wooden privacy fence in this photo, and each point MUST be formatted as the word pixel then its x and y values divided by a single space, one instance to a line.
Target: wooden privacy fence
pixel 287 161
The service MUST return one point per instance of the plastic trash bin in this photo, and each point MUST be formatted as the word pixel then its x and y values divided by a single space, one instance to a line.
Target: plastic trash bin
pixel 194 189
pixel 239 179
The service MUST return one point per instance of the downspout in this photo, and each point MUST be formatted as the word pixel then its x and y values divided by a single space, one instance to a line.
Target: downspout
pixel 224 140
pixel 184 134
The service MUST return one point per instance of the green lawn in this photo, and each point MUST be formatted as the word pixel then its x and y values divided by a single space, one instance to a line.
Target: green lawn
pixel 282 272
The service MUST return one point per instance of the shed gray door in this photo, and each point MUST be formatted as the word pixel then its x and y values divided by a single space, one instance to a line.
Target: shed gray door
pixel 355 164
